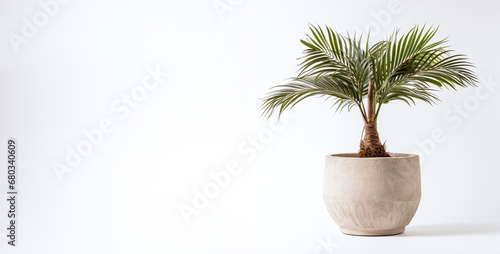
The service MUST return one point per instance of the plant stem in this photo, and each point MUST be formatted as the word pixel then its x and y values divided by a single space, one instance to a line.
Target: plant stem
pixel 371 137
pixel 371 96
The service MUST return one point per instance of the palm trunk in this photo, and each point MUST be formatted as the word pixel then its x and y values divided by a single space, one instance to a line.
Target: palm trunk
pixel 371 138
pixel 371 146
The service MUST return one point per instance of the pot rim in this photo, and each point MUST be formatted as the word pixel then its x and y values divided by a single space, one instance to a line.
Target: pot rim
pixel 354 156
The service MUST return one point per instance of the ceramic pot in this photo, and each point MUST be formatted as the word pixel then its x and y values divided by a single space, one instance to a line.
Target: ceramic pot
pixel 372 196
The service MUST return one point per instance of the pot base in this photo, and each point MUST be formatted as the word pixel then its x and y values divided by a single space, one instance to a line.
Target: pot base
pixel 372 231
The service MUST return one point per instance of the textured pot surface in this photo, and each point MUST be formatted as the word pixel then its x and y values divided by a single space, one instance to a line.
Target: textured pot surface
pixel 372 196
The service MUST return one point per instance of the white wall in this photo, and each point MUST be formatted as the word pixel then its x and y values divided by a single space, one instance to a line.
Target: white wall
pixel 75 68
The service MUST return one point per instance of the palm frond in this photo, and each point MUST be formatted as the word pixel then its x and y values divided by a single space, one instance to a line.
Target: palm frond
pixel 411 66
pixel 286 96
pixel 407 68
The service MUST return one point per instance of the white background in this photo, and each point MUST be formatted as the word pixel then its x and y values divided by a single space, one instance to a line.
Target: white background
pixel 124 196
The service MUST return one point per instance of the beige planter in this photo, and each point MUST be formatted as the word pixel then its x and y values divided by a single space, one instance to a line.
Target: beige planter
pixel 372 196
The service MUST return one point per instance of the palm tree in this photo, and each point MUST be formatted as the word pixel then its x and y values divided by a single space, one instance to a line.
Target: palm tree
pixel 408 68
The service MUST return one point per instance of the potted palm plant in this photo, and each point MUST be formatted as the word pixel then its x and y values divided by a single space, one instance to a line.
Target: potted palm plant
pixel 371 192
